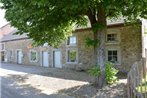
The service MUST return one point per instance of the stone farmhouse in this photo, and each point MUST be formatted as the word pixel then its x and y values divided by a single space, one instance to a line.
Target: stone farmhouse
pixel 124 46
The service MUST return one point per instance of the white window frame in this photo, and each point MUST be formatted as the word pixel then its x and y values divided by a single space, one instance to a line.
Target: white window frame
pixel 3 45
pixel 113 31
pixel 68 62
pixel 71 44
pixel 118 55
pixel 30 56
pixel 116 39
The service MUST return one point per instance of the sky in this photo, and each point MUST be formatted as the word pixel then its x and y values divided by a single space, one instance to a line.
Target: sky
pixel 2 19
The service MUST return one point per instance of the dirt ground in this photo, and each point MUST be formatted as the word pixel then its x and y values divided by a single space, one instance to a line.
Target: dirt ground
pixel 59 82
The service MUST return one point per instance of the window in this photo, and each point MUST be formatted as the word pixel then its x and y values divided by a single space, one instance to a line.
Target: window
pixel 11 53
pixel 113 56
pixel 111 37
pixel 2 46
pixel 72 40
pixel 33 56
pixel 72 56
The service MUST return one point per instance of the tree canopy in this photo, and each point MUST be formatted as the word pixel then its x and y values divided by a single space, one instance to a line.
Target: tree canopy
pixel 52 21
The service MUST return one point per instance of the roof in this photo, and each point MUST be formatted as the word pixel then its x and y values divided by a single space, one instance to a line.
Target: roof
pixel 12 36
pixel 7 32
pixel 109 23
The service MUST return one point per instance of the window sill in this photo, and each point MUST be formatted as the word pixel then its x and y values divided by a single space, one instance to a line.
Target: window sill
pixel 33 61
pixel 117 64
pixel 74 45
pixel 111 43
pixel 71 62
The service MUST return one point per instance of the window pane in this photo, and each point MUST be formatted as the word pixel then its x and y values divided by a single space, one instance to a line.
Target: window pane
pixel 112 56
pixel 71 40
pixel 33 56
pixel 115 53
pixel 115 58
pixel 109 58
pixel 72 56
pixel 111 37
pixel 110 53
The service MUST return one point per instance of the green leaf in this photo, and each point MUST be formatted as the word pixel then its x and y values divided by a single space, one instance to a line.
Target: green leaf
pixel 94 71
pixel 110 72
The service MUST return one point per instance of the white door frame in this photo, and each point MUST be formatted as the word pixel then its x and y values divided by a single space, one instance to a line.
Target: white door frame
pixel 17 56
pixel 43 58
pixel 54 57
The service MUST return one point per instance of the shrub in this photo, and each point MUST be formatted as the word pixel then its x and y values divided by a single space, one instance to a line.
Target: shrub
pixel 110 72
pixel 94 71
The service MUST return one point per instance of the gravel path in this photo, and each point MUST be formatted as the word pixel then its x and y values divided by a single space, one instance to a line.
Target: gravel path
pixel 59 82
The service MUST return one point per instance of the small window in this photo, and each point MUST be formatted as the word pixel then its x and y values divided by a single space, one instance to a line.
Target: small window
pixel 72 56
pixel 33 56
pixel 72 40
pixel 11 53
pixel 113 56
pixel 111 37
pixel 2 46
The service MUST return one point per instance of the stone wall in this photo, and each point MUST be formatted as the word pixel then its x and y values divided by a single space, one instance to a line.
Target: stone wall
pixel 85 53
pixel 23 46
pixel 129 45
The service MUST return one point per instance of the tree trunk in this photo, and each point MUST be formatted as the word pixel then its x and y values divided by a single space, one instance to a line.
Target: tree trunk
pixel 101 48
pixel 100 33
pixel 93 21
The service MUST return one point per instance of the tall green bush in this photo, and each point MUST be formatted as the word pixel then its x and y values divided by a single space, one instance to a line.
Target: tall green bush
pixel 110 72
